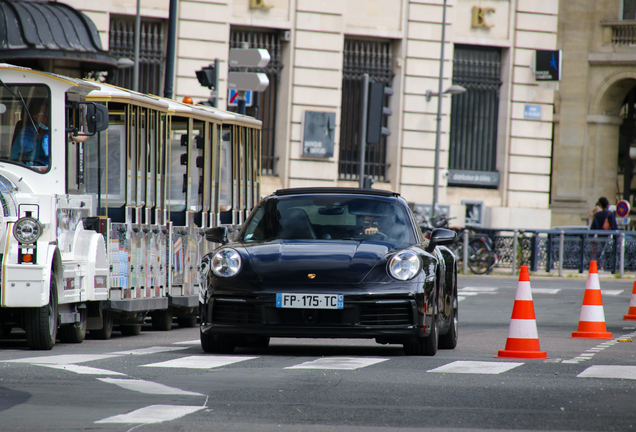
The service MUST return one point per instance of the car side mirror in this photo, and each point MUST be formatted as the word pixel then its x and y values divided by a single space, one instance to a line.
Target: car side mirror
pixel 441 237
pixel 217 235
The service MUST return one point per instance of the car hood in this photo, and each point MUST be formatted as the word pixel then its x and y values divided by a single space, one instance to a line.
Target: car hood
pixel 295 261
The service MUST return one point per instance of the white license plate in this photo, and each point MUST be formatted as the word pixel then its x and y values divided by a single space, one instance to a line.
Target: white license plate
pixel 310 301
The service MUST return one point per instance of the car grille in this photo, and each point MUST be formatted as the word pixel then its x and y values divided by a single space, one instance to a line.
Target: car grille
pixel 236 313
pixel 376 314
pixel 386 314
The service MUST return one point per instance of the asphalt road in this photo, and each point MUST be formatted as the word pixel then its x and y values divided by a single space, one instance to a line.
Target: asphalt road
pixel 163 381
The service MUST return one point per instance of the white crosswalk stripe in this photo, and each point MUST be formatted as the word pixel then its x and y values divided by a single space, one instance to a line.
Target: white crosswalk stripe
pixel 147 387
pixel 608 371
pixel 83 370
pixel 63 359
pixel 153 414
pixel 341 363
pixel 149 350
pixel 200 362
pixel 476 367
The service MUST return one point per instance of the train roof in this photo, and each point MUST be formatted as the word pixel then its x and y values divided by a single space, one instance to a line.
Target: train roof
pixel 74 84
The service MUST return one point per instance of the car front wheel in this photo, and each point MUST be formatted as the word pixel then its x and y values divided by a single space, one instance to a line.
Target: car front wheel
pixel 216 345
pixel 426 345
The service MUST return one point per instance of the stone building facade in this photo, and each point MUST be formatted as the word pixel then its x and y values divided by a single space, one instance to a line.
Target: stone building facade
pixel 594 108
pixel 503 132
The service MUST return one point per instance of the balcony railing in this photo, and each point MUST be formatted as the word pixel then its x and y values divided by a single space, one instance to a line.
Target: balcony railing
pixel 619 32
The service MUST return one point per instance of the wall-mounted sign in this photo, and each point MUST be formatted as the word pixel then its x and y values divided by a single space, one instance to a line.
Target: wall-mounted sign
pixel 473 178
pixel 532 112
pixel 547 65
pixel 318 134
pixel 479 16
pixel 233 98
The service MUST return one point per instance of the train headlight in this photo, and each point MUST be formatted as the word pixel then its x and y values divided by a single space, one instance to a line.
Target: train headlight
pixel 226 262
pixel 27 230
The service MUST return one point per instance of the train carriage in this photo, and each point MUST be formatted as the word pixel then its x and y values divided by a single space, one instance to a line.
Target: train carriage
pixel 118 204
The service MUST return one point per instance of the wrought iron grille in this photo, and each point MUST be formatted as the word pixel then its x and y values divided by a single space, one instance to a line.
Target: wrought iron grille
pixel 473 131
pixel 152 57
pixel 264 104
pixel 360 57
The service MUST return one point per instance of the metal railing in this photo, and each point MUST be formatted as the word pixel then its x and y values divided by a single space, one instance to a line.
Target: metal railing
pixel 567 249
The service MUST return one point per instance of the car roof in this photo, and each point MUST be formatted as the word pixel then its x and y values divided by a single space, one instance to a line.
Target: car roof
pixel 335 190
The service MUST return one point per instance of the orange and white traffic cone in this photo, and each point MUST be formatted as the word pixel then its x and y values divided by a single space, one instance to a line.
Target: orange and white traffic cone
pixel 592 318
pixel 631 313
pixel 523 340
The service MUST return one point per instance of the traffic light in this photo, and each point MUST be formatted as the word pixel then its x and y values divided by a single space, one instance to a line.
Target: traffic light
pixel 207 76
pixel 368 182
pixel 378 92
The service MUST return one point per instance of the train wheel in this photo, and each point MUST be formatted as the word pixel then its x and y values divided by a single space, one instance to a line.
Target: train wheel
pixel 74 333
pixel 107 329
pixel 41 323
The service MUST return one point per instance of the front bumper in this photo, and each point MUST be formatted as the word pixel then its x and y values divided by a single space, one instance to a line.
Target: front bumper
pixel 360 318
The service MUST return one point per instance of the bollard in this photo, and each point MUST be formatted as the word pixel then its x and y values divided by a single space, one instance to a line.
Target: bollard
pixel 622 256
pixel 465 257
pixel 514 252
pixel 561 245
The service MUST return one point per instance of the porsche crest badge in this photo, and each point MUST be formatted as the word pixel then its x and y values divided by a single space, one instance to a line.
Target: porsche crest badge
pixel 311 275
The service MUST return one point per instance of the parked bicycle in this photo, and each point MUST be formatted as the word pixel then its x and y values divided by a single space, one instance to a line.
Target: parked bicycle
pixel 481 255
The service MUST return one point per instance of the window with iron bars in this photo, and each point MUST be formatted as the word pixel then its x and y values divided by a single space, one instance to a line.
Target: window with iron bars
pixel 360 57
pixel 264 103
pixel 473 129
pixel 152 53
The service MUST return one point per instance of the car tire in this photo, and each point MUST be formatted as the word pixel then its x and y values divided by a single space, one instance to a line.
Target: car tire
pixel 449 340
pixel 218 345
pixel 426 345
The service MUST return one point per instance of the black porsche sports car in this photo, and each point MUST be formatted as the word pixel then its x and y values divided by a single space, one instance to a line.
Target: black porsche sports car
pixel 330 263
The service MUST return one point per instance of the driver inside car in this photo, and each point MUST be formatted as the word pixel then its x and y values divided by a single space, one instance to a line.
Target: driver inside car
pixel 31 145
pixel 371 225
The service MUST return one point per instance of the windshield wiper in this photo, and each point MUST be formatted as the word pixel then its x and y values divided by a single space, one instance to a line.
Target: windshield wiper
pixel 21 99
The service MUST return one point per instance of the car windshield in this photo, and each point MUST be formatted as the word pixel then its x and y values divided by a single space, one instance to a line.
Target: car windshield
pixel 329 217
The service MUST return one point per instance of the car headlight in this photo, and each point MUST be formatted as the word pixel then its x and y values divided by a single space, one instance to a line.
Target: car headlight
pixel 226 263
pixel 405 265
pixel 27 230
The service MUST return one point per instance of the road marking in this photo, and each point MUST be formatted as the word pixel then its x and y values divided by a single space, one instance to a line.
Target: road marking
pixel 153 414
pixel 63 359
pixel 150 350
pixel 147 387
pixel 545 290
pixel 200 362
pixel 589 353
pixel 342 363
pixel 190 342
pixel 83 370
pixel 476 367
pixel 611 292
pixel 606 371
pixel 479 289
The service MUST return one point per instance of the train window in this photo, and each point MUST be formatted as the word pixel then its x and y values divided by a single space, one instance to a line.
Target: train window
pixel 225 178
pixel 25 117
pixel 111 145
pixel 196 166
pixel 178 165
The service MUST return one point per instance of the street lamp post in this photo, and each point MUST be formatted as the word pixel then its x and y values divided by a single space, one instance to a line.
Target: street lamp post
pixel 454 89
pixel 438 125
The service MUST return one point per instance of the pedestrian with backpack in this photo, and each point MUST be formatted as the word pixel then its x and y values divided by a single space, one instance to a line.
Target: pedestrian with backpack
pixel 604 219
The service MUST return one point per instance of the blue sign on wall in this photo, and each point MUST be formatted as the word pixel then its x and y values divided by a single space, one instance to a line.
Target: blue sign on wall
pixel 532 112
